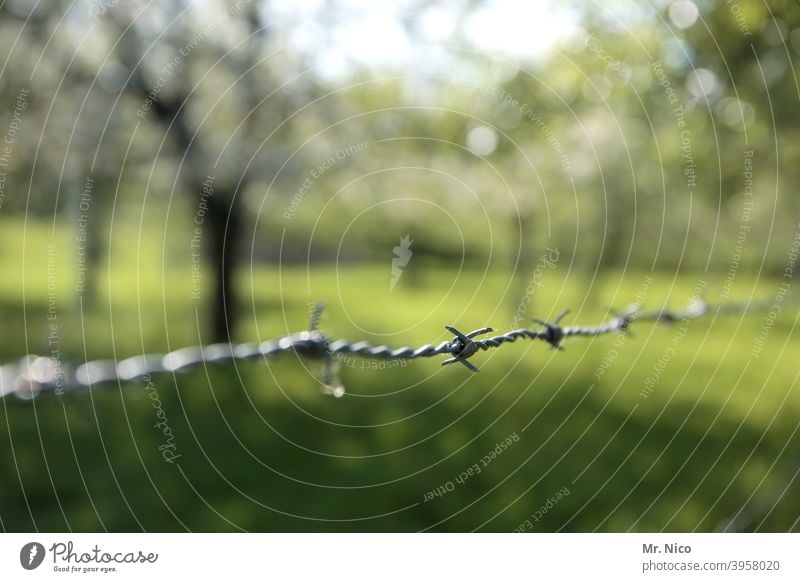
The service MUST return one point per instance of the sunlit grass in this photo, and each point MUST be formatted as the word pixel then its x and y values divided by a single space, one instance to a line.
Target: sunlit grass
pixel 687 455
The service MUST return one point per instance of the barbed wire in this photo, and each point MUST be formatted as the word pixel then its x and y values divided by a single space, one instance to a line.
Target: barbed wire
pixel 34 374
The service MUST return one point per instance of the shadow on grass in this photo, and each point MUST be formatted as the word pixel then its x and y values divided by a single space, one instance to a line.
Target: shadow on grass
pixel 283 457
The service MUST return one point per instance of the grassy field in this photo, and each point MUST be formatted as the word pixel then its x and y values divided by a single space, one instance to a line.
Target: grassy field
pixel 582 446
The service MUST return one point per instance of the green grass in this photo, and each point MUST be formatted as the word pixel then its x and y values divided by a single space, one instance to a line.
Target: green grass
pixel 262 449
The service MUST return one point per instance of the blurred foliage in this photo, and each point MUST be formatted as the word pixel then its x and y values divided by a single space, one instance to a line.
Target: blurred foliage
pixel 595 105
pixel 484 159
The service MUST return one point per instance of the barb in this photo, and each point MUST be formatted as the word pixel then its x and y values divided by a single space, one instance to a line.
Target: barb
pixel 33 374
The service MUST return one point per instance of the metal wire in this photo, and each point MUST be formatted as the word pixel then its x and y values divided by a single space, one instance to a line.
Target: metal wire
pixel 33 375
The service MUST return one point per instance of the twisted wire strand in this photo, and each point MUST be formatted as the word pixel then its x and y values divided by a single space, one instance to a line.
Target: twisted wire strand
pixel 33 375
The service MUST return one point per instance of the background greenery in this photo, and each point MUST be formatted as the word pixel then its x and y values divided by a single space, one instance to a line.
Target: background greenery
pixel 260 445
pixel 714 446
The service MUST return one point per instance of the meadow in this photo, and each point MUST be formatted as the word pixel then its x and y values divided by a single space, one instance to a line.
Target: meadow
pixel 538 440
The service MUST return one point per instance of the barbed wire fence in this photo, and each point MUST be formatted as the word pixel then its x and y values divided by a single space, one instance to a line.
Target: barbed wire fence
pixel 33 375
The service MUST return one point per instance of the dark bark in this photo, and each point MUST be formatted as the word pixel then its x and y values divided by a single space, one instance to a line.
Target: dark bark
pixel 224 234
pixel 223 220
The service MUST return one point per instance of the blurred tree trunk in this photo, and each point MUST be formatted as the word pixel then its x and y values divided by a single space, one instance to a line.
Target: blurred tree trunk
pixel 223 217
pixel 524 263
pixel 224 230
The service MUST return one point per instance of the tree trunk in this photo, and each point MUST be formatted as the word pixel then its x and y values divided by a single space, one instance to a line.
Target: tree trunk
pixel 224 232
